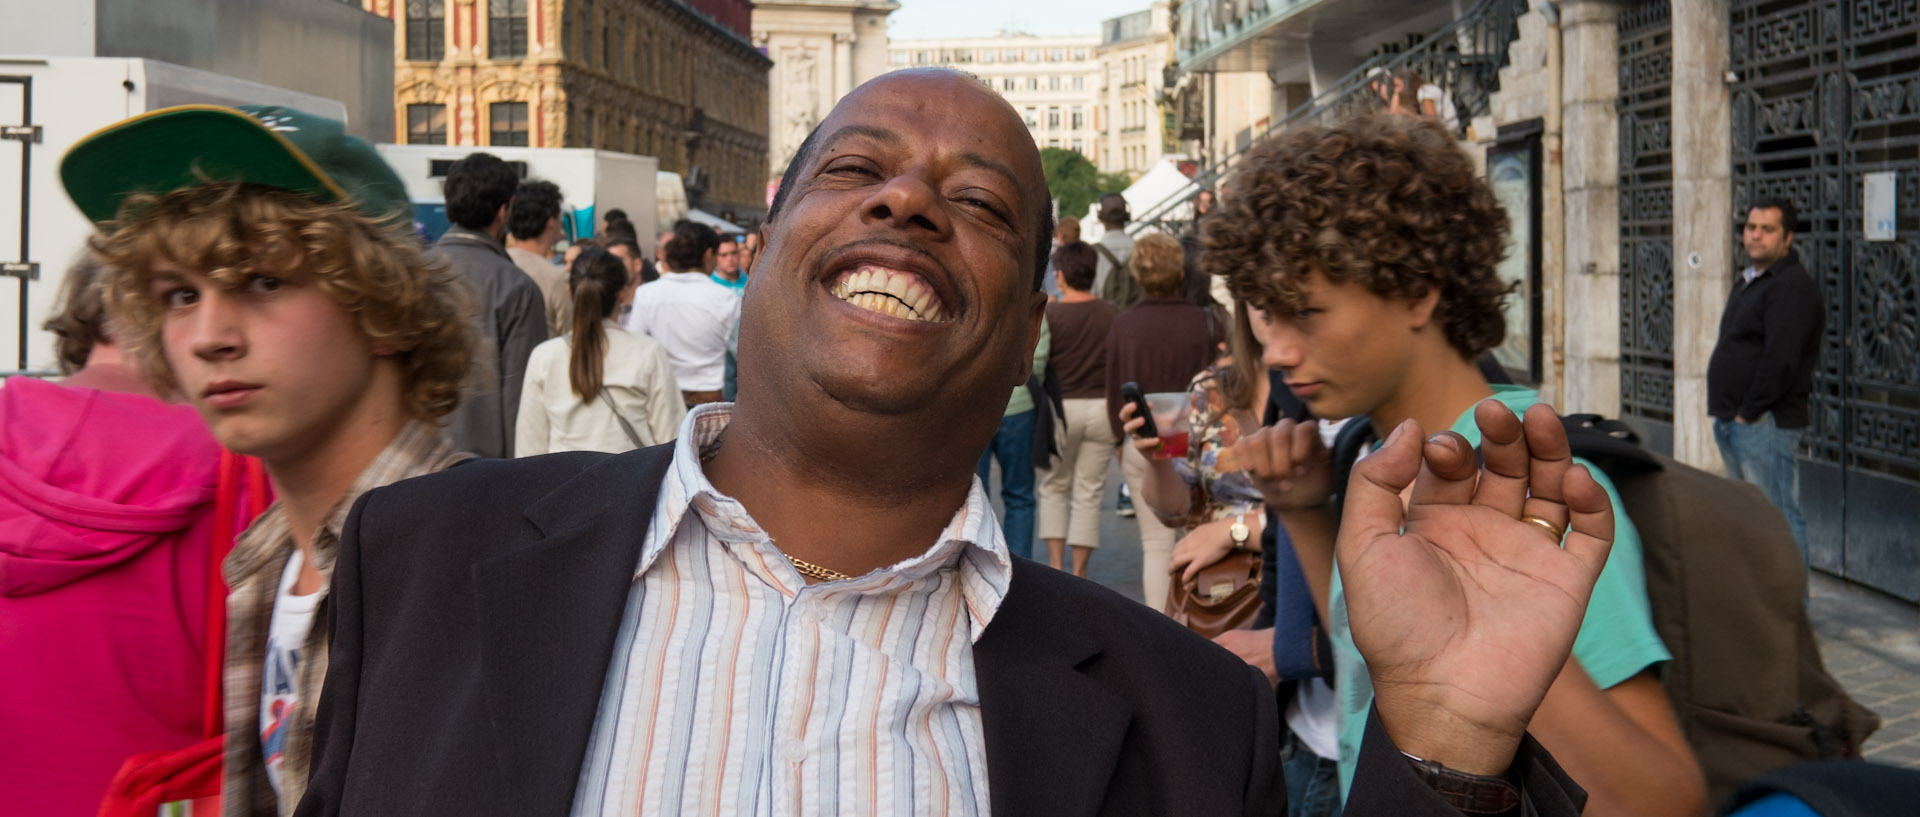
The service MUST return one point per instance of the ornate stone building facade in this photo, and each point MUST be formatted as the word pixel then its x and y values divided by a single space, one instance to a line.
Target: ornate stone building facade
pixel 821 49
pixel 653 77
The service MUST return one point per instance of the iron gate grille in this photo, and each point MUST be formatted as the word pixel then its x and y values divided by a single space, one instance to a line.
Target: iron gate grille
pixel 1646 221
pixel 1826 92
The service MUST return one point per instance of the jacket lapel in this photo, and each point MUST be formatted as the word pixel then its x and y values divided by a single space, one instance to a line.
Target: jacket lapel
pixel 1053 734
pixel 549 615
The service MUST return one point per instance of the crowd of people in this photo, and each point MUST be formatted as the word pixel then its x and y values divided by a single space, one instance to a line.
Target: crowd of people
pixel 768 576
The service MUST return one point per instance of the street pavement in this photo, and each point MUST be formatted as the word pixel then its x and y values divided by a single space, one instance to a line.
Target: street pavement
pixel 1870 641
pixel 1871 644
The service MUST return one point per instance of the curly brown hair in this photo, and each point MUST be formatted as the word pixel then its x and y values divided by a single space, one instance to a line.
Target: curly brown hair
pixel 1387 202
pixel 403 302
pixel 82 320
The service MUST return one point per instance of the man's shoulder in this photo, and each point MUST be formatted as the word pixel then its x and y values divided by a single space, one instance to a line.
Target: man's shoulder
pixel 526 478
pixel 1048 607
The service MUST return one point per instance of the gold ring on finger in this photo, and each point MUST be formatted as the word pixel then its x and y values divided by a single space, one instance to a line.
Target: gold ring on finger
pixel 1547 525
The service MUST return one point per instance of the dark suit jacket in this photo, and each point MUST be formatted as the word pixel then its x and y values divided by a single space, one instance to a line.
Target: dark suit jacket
pixel 475 613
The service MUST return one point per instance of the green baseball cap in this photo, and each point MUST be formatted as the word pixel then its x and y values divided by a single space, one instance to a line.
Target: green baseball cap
pixel 172 148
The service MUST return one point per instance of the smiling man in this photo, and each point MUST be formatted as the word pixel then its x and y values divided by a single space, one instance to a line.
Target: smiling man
pixel 262 264
pixel 804 605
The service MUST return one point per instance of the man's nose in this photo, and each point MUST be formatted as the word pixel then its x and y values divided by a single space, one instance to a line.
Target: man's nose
pixel 217 327
pixel 1283 350
pixel 909 200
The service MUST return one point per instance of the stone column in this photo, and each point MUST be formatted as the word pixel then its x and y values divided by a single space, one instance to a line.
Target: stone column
pixel 1590 153
pixel 1702 216
pixel 842 68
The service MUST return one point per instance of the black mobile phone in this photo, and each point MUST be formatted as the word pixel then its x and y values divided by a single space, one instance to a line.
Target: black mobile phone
pixel 1130 392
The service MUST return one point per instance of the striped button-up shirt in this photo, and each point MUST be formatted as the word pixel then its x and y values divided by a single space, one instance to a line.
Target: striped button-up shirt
pixel 736 688
pixel 253 570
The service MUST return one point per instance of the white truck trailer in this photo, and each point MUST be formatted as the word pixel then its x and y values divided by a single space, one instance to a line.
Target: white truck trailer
pixel 46 105
pixel 591 183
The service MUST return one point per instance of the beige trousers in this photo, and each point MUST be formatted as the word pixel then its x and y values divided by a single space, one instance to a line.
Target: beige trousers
pixel 1070 491
pixel 1156 540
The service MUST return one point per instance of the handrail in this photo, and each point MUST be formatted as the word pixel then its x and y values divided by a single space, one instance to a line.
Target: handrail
pixel 1464 57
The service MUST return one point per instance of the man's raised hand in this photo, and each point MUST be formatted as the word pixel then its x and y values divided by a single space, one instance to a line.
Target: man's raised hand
pixel 1464 612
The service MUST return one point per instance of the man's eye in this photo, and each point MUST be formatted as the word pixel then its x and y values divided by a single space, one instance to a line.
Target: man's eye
pixel 850 170
pixel 264 284
pixel 179 297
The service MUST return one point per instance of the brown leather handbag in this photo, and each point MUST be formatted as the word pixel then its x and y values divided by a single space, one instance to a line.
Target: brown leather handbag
pixel 1224 596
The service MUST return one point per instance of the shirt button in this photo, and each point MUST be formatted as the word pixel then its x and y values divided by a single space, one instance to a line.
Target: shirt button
pixel 793 750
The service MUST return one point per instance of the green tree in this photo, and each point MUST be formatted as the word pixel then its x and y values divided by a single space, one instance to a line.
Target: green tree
pixel 1115 182
pixel 1073 181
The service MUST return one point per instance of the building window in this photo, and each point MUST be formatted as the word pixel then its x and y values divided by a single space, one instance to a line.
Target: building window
pixel 1033 55
pixel 1012 55
pixel 426 124
pixel 586 130
pixel 963 55
pixel 1080 54
pixel 1006 83
pixel 586 32
pixel 1033 116
pixel 1079 146
pixel 508 122
pixel 507 29
pixel 989 54
pixel 922 57
pixel 1078 118
pixel 1033 83
pixel 1057 55
pixel 1053 143
pixel 1079 83
pixel 901 58
pixel 1053 118
pixel 426 30
pixel 1053 83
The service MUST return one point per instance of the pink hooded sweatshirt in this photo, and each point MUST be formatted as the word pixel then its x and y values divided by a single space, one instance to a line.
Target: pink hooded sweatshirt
pixel 106 505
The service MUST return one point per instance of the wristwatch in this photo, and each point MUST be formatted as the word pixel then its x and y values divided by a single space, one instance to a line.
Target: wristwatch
pixel 1238 532
pixel 1470 793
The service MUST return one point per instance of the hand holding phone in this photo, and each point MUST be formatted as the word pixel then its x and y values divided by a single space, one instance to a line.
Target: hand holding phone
pixel 1130 392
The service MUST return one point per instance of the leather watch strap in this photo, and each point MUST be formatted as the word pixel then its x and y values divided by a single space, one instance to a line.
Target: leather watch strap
pixel 1470 793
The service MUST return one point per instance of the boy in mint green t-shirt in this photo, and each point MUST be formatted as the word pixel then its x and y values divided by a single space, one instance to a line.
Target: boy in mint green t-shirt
pixel 1616 642
pixel 1373 246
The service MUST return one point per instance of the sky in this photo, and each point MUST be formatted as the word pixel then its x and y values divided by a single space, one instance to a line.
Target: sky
pixel 918 19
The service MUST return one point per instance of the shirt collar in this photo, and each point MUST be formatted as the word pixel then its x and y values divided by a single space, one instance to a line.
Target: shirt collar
pixel 420 448
pixel 972 539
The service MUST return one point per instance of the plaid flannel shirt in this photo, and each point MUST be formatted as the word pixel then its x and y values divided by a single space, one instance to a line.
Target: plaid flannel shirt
pixel 253 572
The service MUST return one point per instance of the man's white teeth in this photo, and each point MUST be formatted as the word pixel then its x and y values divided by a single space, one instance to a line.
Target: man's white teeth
pixel 901 296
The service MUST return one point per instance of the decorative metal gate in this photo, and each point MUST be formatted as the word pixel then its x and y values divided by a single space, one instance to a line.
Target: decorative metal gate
pixel 1826 92
pixel 1646 222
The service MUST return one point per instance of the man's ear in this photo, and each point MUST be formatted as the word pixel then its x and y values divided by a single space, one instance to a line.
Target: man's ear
pixel 1422 307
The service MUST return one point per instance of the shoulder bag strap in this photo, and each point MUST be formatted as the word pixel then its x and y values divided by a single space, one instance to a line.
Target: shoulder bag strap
pixel 624 425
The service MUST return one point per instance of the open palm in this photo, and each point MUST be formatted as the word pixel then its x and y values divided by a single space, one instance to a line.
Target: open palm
pixel 1464 611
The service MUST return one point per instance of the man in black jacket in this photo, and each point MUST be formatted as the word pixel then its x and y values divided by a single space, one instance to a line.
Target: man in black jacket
pixel 804 605
pixel 1762 367
pixel 512 318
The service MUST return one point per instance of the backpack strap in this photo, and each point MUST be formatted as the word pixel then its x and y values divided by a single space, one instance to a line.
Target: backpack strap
pixel 1354 437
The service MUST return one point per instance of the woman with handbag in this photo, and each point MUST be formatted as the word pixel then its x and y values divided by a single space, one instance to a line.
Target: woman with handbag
pixel 599 387
pixel 1214 507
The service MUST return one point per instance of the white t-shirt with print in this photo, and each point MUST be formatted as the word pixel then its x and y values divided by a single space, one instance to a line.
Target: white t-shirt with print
pixel 279 680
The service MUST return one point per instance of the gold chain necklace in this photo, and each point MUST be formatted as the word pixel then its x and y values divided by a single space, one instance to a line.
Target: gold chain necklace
pixel 815 571
pixel 806 568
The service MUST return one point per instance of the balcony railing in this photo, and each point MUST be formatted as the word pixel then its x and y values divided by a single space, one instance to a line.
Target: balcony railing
pixel 1463 59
